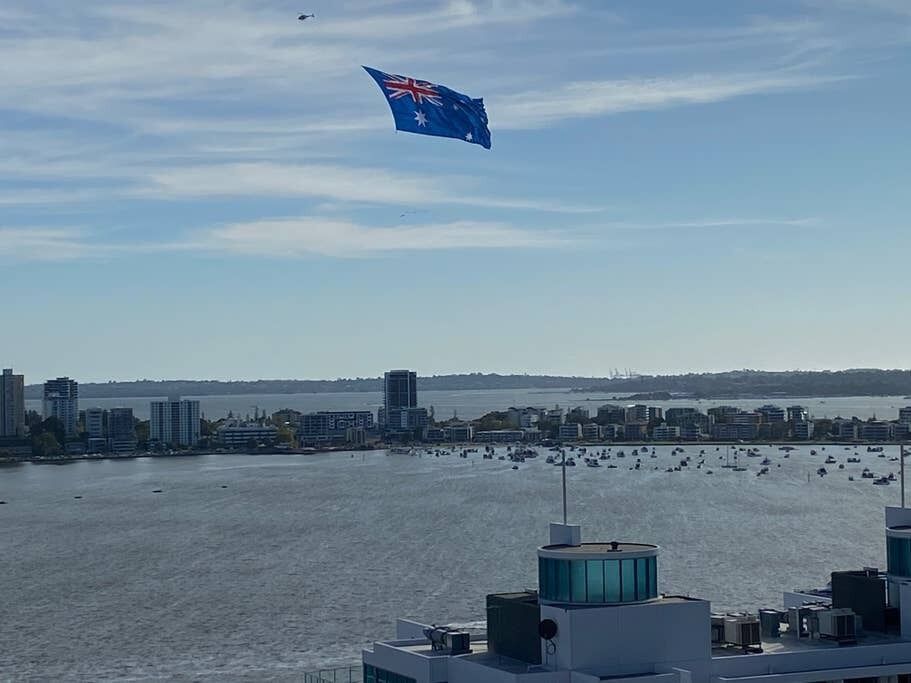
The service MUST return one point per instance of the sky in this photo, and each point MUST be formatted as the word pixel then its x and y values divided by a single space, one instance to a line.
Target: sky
pixel 215 190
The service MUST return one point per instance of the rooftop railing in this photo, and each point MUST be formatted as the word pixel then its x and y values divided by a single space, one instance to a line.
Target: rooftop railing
pixel 344 674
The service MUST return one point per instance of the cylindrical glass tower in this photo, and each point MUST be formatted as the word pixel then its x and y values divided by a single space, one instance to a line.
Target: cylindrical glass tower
pixel 597 573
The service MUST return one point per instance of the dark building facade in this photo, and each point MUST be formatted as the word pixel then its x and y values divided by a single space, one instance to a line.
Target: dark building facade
pixel 12 404
pixel 400 389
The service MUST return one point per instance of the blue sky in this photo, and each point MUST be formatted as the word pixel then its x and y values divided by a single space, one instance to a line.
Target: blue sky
pixel 215 190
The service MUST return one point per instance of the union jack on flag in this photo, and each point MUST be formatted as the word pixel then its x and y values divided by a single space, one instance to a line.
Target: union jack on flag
pixel 431 109
pixel 419 91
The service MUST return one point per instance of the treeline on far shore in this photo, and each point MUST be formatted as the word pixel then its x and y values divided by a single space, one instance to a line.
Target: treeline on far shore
pixel 734 384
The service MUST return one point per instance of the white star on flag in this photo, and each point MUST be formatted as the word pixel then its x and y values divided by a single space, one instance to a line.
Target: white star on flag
pixel 420 117
pixel 469 136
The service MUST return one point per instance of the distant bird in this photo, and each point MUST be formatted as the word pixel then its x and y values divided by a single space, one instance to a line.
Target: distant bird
pixel 304 17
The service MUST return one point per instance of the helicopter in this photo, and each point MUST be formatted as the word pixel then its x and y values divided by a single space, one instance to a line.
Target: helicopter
pixel 304 17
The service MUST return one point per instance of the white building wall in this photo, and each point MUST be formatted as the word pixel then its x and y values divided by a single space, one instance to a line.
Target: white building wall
pixel 183 431
pixel 632 639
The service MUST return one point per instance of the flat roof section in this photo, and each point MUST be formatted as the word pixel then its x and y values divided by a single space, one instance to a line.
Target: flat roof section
pixel 616 547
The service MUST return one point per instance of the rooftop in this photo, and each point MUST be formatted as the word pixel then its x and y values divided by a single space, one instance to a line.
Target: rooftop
pixel 615 547
pixel 789 643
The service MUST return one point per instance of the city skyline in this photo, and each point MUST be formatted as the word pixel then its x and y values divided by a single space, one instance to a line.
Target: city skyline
pixel 730 179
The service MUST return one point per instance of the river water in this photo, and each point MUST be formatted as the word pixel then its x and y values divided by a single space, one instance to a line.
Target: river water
pixel 252 568
pixel 471 404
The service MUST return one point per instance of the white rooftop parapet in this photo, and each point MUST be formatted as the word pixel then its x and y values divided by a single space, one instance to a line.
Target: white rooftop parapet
pixel 565 534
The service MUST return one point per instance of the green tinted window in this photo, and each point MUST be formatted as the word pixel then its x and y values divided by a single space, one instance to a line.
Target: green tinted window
pixel 577 581
pixel 598 581
pixel 562 592
pixel 611 581
pixel 595 580
pixel 628 580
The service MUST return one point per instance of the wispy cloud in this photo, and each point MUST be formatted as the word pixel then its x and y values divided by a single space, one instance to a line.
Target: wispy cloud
pixel 294 238
pixel 585 99
pixel 808 222
pixel 283 238
pixel 43 244
pixel 335 183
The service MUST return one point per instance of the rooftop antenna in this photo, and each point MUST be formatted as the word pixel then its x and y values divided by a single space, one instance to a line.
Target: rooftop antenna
pixel 564 486
pixel 901 458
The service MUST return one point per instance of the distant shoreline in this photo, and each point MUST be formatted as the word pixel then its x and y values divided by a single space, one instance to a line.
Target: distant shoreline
pixel 740 384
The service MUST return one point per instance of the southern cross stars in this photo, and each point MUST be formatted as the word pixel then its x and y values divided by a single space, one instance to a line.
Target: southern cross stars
pixel 420 117
pixel 469 137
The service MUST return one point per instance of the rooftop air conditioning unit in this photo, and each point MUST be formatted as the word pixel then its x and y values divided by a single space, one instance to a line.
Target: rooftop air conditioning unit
pixel 770 622
pixel 742 630
pixel 718 629
pixel 443 638
pixel 837 624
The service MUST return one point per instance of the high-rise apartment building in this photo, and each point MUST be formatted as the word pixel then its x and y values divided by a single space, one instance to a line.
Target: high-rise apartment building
pixel 61 400
pixel 400 389
pixel 12 404
pixel 94 423
pixel 174 422
pixel 121 430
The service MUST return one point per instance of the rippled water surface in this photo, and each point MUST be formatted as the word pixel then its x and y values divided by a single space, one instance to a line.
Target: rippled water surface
pixel 260 567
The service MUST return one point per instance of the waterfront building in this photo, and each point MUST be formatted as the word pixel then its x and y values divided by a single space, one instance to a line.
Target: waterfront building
pixel 95 430
pixel 356 436
pixel 611 414
pixel 635 431
pixel 743 417
pixel 609 432
pixel 579 413
pixel 174 423
pixel 798 414
pixel 680 416
pixel 121 430
pixel 655 414
pixel 12 405
pixel 591 431
pixel 904 415
pixel 804 430
pixel 94 423
pixel 61 401
pixel 533 435
pixel 875 431
pixel 238 434
pixel 734 432
pixel 571 431
pixel 772 431
pixel 691 432
pixel 400 390
pixel 554 415
pixel 845 429
pixel 460 433
pixel 723 414
pixel 435 435
pixel 406 420
pixel 333 425
pixel 599 614
pixel 666 433
pixel 771 414
pixel 524 418
pixel 499 436
pixel 636 413
pixel 900 431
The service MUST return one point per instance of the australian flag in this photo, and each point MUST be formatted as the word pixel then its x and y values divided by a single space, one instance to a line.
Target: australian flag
pixel 430 109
